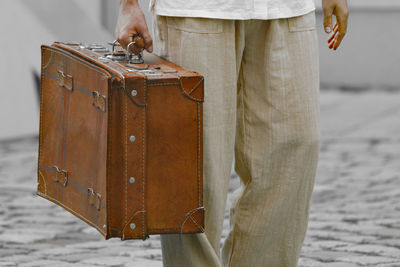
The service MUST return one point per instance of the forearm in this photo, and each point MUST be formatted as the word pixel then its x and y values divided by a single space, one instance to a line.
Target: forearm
pixel 128 2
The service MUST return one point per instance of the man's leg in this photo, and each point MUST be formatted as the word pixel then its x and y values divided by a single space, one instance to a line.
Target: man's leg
pixel 207 46
pixel 277 143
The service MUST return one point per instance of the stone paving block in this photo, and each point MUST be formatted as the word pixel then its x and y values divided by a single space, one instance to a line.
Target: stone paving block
pixel 57 251
pixel 328 215
pixel 20 258
pixel 76 258
pixel 90 245
pixel 328 255
pixel 24 238
pixel 305 262
pixel 45 263
pixel 144 263
pixel 368 260
pixel 340 264
pixel 4 252
pixel 152 254
pixel 330 244
pixel 388 265
pixel 389 242
pixel 108 261
pixel 373 250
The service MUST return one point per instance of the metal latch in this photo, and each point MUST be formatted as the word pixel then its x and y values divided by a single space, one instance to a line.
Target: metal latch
pixel 119 55
pixel 149 73
pixel 97 48
pixel 61 176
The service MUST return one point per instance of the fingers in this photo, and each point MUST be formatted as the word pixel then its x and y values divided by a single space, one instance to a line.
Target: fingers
pixel 328 11
pixel 340 10
pixel 125 38
pixel 148 41
pixel 335 30
pixel 342 15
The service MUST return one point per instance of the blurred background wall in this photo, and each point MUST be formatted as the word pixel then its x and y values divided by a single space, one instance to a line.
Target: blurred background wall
pixel 367 60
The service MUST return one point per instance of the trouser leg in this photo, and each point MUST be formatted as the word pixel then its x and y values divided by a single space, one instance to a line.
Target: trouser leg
pixel 277 143
pixel 207 46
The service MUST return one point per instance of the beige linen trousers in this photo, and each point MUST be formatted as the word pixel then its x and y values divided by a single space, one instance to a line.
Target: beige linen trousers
pixel 261 109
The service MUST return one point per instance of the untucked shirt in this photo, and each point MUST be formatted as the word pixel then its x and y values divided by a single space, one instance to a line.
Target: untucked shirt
pixel 232 9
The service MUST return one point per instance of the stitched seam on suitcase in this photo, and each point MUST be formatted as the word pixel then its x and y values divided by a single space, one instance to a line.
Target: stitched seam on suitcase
pixel 99 141
pixel 85 63
pixel 41 115
pixel 185 94
pixel 80 88
pixel 76 185
pixel 195 87
pixel 44 181
pixel 196 223
pixel 143 170
pixel 198 152
pixel 126 158
pixel 95 151
pixel 63 116
pixel 170 229
pixel 109 149
pixel 163 84
pixel 72 211
pixel 66 70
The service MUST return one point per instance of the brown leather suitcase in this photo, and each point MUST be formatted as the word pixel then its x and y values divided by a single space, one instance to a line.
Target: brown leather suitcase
pixel 120 144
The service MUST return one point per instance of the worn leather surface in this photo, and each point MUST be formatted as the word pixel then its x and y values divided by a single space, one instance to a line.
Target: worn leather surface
pixel 120 149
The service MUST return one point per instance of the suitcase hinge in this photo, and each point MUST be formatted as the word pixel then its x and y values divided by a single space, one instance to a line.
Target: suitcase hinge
pixel 61 176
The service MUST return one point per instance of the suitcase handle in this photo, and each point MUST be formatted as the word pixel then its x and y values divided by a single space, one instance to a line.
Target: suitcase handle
pixel 138 42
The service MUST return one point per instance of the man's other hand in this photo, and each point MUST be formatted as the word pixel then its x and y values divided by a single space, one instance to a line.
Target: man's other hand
pixel 340 9
pixel 131 21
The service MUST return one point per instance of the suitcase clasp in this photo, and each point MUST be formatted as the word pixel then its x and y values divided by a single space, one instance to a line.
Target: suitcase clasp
pixel 65 80
pixel 94 198
pixel 99 101
pixel 61 176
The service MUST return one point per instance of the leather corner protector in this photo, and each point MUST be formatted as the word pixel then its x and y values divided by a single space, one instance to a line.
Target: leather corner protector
pixel 193 87
pixel 193 221
pixel 46 60
pixel 42 187
pixel 136 227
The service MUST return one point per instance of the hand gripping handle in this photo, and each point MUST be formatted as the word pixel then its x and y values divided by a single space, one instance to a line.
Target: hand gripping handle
pixel 138 43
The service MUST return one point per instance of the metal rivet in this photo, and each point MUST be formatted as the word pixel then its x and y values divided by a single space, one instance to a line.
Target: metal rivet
pixel 134 93
pixel 132 226
pixel 132 138
pixel 132 180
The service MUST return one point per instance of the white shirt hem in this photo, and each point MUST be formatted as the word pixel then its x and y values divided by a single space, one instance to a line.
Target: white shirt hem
pixel 242 15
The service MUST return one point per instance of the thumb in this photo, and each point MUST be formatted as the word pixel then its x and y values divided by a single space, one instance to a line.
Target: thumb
pixel 328 20
pixel 148 41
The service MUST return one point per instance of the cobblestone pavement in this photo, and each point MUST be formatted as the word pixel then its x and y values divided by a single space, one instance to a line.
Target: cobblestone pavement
pixel 354 217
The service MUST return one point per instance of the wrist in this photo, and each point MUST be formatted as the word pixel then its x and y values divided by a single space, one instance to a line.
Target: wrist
pixel 128 3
